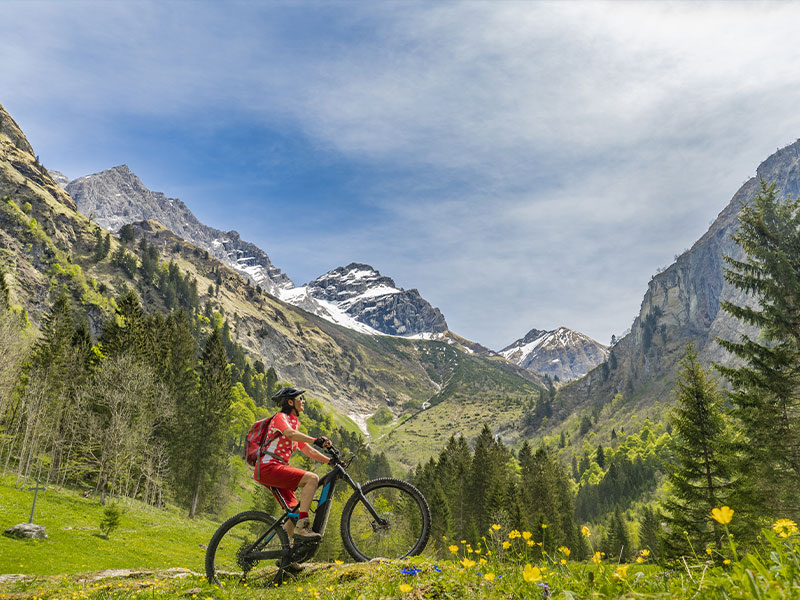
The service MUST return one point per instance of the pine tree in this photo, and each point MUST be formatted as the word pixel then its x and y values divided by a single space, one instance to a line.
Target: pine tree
pixel 650 532
pixel 600 457
pixel 616 542
pixel 453 468
pixel 700 474
pixel 207 438
pixel 765 398
pixel 482 480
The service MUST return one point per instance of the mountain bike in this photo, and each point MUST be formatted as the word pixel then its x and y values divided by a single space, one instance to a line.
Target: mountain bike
pixel 384 518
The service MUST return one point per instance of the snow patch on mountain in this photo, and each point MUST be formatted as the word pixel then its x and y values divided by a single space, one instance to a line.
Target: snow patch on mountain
pixel 563 353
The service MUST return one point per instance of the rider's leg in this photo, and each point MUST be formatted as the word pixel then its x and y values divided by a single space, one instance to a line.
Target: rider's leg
pixel 309 482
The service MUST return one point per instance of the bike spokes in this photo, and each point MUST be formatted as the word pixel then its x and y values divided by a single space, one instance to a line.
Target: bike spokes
pixel 396 531
pixel 247 549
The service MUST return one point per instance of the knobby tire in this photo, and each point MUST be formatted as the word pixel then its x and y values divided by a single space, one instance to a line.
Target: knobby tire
pixel 402 505
pixel 241 530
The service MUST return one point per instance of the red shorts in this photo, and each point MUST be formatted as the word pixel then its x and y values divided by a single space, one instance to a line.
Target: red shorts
pixel 283 477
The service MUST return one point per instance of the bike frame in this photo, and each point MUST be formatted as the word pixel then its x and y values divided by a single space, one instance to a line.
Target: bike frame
pixel 305 550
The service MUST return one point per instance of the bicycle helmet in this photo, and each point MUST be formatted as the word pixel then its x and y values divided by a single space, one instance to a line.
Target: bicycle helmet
pixel 287 393
pixel 284 395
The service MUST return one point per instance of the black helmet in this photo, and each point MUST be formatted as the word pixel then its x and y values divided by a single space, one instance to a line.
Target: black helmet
pixel 287 393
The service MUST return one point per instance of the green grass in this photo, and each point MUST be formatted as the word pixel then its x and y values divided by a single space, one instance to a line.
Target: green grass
pixel 491 571
pixel 146 537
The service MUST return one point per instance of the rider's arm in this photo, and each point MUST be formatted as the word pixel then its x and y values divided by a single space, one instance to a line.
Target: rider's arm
pixel 297 436
pixel 311 452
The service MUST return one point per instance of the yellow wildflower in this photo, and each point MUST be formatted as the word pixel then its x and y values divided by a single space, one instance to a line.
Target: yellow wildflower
pixel 489 576
pixel 722 515
pixel 544 525
pixel 496 527
pixel 597 558
pixel 639 559
pixel 478 551
pixel 644 552
pixel 530 543
pixel 506 545
pixel 467 563
pixel 338 562
pixel 526 535
pixel 463 541
pixel 514 534
pixel 453 548
pixel 564 550
pixel 726 561
pixel 621 572
pixel 531 574
pixel 709 551
pixel 784 527
pixel 405 588
pixel 585 531
pixel 482 561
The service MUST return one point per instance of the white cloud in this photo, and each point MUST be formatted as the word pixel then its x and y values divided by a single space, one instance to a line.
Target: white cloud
pixel 533 163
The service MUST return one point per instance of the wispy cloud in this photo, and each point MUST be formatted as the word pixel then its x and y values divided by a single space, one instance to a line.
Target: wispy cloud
pixel 523 164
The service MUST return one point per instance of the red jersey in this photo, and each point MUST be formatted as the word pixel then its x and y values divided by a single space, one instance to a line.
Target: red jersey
pixel 281 445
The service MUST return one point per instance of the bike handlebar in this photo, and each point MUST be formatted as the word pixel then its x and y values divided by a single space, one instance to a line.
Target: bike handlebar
pixel 333 452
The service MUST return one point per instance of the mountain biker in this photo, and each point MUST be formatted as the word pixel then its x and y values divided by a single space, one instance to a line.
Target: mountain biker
pixel 274 470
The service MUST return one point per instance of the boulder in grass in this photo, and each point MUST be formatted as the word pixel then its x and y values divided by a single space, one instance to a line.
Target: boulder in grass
pixel 27 530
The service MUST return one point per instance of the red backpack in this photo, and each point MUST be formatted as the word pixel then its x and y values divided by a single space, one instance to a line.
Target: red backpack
pixel 256 439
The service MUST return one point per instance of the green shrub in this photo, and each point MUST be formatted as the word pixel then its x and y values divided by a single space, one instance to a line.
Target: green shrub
pixel 111 518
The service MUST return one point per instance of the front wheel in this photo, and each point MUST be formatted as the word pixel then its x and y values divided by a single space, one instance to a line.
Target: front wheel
pixel 401 529
pixel 247 547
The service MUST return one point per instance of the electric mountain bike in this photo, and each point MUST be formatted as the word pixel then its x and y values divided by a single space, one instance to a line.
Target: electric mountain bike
pixel 384 518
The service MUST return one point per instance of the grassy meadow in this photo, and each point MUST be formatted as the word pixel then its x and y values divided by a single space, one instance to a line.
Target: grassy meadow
pixel 162 554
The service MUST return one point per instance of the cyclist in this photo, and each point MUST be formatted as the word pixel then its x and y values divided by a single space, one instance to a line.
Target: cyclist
pixel 274 470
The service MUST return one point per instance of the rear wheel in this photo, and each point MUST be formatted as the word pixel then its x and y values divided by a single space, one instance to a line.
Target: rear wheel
pixel 247 547
pixel 401 529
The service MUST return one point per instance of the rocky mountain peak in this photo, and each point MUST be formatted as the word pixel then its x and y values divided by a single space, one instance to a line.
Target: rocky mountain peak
pixel 116 197
pixel 562 353
pixel 362 293
pixel 346 283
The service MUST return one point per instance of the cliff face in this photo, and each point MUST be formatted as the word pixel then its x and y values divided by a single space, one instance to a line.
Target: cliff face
pixel 23 168
pixel 682 305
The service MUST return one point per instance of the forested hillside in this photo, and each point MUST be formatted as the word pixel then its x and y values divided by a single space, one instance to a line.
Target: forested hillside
pixel 92 322
pixel 135 363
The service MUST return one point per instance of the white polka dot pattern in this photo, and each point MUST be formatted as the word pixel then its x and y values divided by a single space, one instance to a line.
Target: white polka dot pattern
pixel 281 445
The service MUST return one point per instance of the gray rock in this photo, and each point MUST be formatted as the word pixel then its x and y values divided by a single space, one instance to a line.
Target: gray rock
pixel 117 197
pixel 563 354
pixel 370 298
pixel 59 178
pixel 27 530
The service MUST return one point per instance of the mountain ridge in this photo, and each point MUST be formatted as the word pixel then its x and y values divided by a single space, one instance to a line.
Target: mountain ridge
pixel 117 197
pixel 47 246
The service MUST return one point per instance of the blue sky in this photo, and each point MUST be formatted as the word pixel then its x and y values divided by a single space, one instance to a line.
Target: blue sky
pixel 522 164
